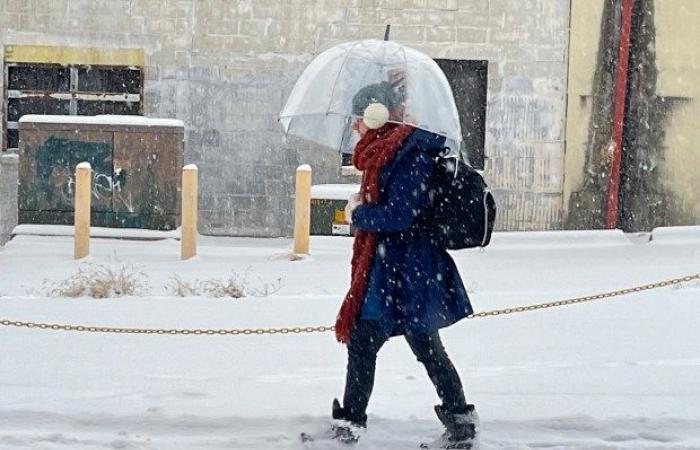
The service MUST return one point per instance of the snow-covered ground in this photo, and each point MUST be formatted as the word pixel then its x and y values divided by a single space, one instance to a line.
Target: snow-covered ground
pixel 620 373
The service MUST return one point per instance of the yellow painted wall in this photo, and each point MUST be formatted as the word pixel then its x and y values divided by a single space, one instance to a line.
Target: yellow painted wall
pixel 678 62
pixel 583 48
pixel 681 170
pixel 73 55
pixel 678 47
pixel 678 59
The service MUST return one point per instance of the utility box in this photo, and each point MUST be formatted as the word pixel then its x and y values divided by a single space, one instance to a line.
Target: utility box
pixel 136 167
pixel 328 209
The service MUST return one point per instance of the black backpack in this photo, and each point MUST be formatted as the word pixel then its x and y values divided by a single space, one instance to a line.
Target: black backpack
pixel 462 210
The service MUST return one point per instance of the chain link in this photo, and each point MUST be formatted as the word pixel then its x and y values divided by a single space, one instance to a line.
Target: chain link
pixel 587 298
pixel 323 329
pixel 169 331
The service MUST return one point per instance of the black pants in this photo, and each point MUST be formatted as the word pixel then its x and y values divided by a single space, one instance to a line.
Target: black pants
pixel 366 340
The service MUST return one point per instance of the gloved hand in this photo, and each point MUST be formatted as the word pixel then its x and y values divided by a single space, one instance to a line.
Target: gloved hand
pixel 353 202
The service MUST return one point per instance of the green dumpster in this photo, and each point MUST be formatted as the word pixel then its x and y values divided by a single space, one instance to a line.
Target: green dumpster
pixel 136 166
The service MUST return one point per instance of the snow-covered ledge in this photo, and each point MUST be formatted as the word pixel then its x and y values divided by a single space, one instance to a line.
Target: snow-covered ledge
pixel 104 119
pixel 9 164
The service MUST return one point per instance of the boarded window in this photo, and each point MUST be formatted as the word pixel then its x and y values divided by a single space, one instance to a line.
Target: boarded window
pixel 18 107
pixel 468 80
pixel 38 78
pixel 92 108
pixel 96 79
pixel 68 90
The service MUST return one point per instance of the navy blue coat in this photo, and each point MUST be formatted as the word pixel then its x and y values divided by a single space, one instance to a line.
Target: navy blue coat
pixel 414 286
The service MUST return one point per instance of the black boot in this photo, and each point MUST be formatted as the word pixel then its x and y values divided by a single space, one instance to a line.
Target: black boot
pixel 460 427
pixel 344 428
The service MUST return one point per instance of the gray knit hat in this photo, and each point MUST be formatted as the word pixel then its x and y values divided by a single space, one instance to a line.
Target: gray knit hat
pixel 382 93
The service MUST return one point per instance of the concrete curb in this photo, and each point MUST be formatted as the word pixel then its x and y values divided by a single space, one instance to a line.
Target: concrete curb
pixel 558 239
pixel 669 235
pixel 95 232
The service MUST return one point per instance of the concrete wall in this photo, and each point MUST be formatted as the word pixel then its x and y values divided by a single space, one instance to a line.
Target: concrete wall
pixel 225 67
pixel 678 66
pixel 8 196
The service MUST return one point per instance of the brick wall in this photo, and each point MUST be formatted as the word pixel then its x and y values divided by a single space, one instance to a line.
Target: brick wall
pixel 225 67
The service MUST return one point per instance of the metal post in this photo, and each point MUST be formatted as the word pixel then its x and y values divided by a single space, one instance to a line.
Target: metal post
pixel 619 115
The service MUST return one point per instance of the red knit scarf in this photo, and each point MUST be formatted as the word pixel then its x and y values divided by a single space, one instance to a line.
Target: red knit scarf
pixel 374 150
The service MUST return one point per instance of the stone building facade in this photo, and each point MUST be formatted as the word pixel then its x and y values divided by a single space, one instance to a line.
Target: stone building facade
pixel 225 67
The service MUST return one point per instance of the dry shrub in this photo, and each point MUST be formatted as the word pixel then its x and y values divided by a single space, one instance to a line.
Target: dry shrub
pixel 232 287
pixel 229 287
pixel 180 288
pixel 98 281
pixel 266 289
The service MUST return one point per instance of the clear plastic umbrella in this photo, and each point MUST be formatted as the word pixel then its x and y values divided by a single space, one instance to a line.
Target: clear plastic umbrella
pixel 319 108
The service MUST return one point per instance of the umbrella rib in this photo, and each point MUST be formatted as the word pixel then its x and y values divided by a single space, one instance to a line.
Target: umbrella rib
pixel 311 114
pixel 405 80
pixel 340 70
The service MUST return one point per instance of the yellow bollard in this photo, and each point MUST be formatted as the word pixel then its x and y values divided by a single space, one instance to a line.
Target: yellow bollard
pixel 188 240
pixel 302 210
pixel 83 191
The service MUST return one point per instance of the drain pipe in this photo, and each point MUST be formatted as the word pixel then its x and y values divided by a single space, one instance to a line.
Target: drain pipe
pixel 619 115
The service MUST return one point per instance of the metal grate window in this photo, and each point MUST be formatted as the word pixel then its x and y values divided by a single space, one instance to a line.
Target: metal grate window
pixel 468 80
pixel 68 90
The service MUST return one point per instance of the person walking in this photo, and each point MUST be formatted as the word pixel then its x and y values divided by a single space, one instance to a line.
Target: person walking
pixel 402 283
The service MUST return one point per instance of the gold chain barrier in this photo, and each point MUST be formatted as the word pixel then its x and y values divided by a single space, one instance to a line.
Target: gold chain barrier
pixel 588 298
pixel 322 329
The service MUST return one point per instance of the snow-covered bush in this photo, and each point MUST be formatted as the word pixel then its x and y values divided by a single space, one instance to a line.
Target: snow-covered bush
pixel 228 287
pixel 181 288
pixel 232 287
pixel 99 281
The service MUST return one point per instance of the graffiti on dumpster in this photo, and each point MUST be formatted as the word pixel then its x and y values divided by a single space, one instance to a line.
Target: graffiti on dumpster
pixel 52 186
pixel 103 186
pixel 131 187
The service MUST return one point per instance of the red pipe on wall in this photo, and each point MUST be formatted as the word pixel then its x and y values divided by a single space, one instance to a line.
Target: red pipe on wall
pixel 619 115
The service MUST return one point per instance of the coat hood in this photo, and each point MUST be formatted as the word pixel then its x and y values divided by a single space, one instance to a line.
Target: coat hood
pixel 426 141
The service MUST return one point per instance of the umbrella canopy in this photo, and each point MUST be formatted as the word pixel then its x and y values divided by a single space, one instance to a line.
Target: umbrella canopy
pixel 320 107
